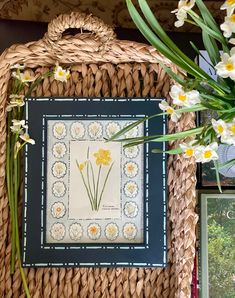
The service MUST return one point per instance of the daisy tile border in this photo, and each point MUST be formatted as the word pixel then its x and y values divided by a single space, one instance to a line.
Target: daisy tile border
pixel 105 247
pixel 94 118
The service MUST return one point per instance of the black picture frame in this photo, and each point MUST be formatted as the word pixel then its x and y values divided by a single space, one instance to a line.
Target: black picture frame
pixel 206 176
pixel 35 251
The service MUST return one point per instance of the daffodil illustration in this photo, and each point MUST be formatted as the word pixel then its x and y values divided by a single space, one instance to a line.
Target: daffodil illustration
pixel 103 157
pixel 91 182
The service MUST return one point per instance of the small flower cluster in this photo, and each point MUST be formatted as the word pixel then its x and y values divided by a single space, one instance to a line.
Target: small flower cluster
pixel 225 131
pixel 201 153
pixel 180 98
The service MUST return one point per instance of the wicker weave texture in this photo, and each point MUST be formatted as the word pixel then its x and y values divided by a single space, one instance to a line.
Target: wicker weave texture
pixel 102 66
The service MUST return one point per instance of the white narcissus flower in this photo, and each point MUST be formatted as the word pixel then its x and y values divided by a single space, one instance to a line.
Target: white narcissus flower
pixel 220 127
pixel 18 125
pixel 228 26
pixel 15 101
pixel 182 98
pixel 232 41
pixel 229 5
pixel 26 138
pixel 188 149
pixel 24 77
pixel 61 74
pixel 206 153
pixel 17 66
pixel 164 106
pixel 181 11
pixel 226 68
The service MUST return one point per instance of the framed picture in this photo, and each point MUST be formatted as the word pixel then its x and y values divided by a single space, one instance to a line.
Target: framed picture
pixel 89 201
pixel 206 176
pixel 217 242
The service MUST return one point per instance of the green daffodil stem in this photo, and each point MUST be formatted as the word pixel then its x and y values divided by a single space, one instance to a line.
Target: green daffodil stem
pixel 105 181
pixel 97 189
pixel 9 178
pixel 84 182
pixel 16 178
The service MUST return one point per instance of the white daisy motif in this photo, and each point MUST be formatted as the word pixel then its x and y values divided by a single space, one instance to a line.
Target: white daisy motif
pixel 131 152
pixel 131 189
pixel 112 128
pixel 95 130
pixel 131 169
pixel 59 130
pixel 111 231
pixel 77 130
pixel 75 231
pixel 59 169
pixel 58 189
pixel 94 231
pixel 59 150
pixel 57 231
pixel 58 210
pixel 129 231
pixel 131 209
pixel 132 133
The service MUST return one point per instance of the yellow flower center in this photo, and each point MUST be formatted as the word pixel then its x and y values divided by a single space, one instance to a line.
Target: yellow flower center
pixel 170 110
pixel 207 154
pixel 111 231
pixel 230 66
pixel 182 97
pixel 130 168
pixel 232 129
pixel 231 2
pixel 189 151
pixel 220 128
pixel 131 188
pixel 59 130
pixel 232 18
pixel 58 209
pixel 61 73
pixel 93 230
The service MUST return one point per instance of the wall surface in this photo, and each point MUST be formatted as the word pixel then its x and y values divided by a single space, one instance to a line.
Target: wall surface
pixel 112 12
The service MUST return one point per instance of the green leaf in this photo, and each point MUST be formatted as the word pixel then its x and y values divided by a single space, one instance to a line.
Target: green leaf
pixel 173 75
pixel 172 151
pixel 227 164
pixel 217 175
pixel 160 46
pixel 204 27
pixel 209 20
pixel 211 47
pixel 179 135
pixel 163 36
pixel 192 69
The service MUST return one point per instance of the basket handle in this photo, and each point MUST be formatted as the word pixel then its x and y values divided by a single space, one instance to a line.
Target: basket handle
pixel 81 21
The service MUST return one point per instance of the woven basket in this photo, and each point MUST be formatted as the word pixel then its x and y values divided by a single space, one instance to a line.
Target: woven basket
pixel 101 65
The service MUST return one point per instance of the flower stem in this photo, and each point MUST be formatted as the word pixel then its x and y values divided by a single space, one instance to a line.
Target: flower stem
pixel 17 240
pixel 97 189
pixel 106 179
pixel 84 182
pixel 9 191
